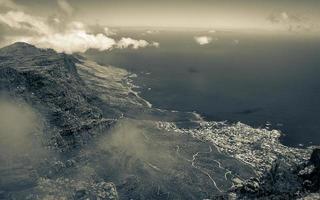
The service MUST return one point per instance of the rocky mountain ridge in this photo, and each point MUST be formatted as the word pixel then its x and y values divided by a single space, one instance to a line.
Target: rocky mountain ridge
pixel 50 82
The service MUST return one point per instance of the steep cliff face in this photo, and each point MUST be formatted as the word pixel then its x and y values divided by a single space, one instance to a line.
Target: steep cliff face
pixel 49 82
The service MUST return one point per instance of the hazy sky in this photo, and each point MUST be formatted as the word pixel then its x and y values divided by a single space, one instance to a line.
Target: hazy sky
pixel 77 25
pixel 182 13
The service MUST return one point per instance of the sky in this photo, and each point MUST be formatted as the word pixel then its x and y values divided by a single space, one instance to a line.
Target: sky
pixel 70 25
pixel 180 13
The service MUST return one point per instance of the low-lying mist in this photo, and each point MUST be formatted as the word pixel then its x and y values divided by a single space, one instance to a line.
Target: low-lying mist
pixel 21 148
pixel 127 136
pixel 20 127
pixel 133 143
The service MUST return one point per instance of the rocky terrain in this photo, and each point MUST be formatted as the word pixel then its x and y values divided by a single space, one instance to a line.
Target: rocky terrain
pixel 50 83
pixel 73 129
pixel 285 181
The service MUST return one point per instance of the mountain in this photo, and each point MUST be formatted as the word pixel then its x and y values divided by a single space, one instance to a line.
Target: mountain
pixel 49 82
pixel 74 129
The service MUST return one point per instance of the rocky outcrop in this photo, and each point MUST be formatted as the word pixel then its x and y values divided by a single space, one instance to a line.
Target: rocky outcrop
pixel 285 181
pixel 311 173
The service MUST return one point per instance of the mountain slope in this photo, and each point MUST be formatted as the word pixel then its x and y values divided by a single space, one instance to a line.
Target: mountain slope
pixel 49 81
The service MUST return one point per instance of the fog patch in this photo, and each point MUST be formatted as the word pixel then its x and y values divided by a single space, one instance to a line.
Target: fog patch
pixel 19 126
pixel 133 146
pixel 127 136
pixel 135 139
pixel 21 148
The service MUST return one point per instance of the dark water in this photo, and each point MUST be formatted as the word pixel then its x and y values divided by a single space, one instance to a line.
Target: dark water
pixel 263 79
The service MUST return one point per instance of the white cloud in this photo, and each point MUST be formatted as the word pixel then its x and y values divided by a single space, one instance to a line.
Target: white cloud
pixel 203 40
pixel 20 20
pixel 126 42
pixel 68 37
pixel 73 41
pixel 65 7
pixel 59 33
pixel 109 32
pixel 155 44
pixel 129 42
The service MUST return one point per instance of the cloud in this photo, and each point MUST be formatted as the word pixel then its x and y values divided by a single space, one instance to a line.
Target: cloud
pixel 62 36
pixel 73 41
pixel 155 44
pixel 65 7
pixel 203 40
pixel 291 22
pixel 20 20
pixel 284 16
pixel 56 20
pixel 9 4
pixel 76 25
pixel 129 42
pixel 152 31
pixel 109 32
pixel 135 44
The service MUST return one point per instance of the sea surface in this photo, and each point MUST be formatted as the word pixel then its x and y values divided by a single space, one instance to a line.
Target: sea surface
pixel 260 79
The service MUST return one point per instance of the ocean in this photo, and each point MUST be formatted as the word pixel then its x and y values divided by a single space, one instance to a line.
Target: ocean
pixel 260 79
